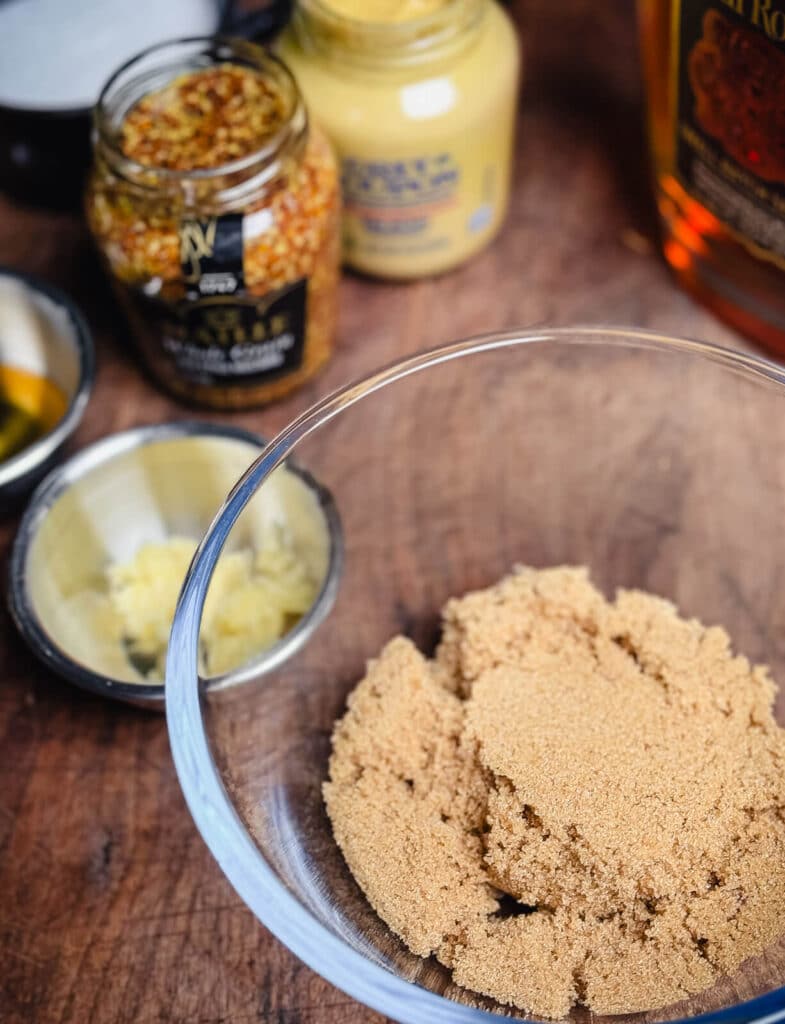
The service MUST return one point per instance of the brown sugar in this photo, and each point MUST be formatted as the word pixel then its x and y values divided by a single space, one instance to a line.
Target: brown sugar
pixel 576 801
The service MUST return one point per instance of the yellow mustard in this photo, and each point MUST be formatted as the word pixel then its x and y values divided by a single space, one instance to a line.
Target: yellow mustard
pixel 418 98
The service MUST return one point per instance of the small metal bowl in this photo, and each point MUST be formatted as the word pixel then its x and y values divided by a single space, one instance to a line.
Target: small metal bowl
pixel 146 485
pixel 66 356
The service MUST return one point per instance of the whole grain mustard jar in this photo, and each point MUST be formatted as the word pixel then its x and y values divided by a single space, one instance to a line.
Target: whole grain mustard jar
pixel 215 206
pixel 418 98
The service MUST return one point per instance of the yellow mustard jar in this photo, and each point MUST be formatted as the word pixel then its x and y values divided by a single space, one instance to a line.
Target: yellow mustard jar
pixel 418 98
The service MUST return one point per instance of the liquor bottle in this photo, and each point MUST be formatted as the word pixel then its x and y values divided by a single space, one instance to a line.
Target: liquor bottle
pixel 715 77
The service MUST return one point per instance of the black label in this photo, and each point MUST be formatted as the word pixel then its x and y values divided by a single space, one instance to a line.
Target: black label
pixel 730 129
pixel 211 255
pixel 244 340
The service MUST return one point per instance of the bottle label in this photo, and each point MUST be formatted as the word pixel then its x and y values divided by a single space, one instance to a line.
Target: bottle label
pixel 729 83
pixel 401 198
pixel 219 333
pixel 237 339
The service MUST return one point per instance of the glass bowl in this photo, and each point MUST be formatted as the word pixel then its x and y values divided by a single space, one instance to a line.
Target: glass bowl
pixel 659 463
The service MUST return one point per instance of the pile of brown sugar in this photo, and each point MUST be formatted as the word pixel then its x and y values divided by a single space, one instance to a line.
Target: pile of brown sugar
pixel 576 801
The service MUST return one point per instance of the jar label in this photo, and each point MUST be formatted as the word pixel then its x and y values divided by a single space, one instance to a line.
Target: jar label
pixel 728 74
pixel 219 333
pixel 211 255
pixel 230 339
pixel 410 215
pixel 400 197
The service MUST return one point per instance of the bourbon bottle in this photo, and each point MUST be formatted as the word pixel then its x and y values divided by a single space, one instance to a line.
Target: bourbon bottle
pixel 715 77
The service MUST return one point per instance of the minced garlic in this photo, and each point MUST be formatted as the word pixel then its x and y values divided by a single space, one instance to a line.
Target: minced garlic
pixel 254 598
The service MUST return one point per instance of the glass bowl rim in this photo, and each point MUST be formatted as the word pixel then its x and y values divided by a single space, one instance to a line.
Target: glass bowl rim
pixel 208 801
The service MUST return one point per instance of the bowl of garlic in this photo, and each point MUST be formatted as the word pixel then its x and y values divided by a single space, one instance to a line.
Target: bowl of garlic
pixel 106 542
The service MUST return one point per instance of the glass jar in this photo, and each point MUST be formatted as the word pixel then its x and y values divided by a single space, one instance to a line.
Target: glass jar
pixel 227 265
pixel 418 99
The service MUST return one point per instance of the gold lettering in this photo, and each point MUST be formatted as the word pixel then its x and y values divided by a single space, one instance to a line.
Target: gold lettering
pixel 224 326
pixel 760 13
pixel 778 25
pixel 772 22
pixel 197 241
pixel 203 336
pixel 223 318
pixel 279 323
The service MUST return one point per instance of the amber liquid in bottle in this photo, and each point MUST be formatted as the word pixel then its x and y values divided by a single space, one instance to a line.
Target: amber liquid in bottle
pixel 714 74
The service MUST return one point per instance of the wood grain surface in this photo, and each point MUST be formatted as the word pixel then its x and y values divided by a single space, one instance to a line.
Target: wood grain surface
pixel 111 909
